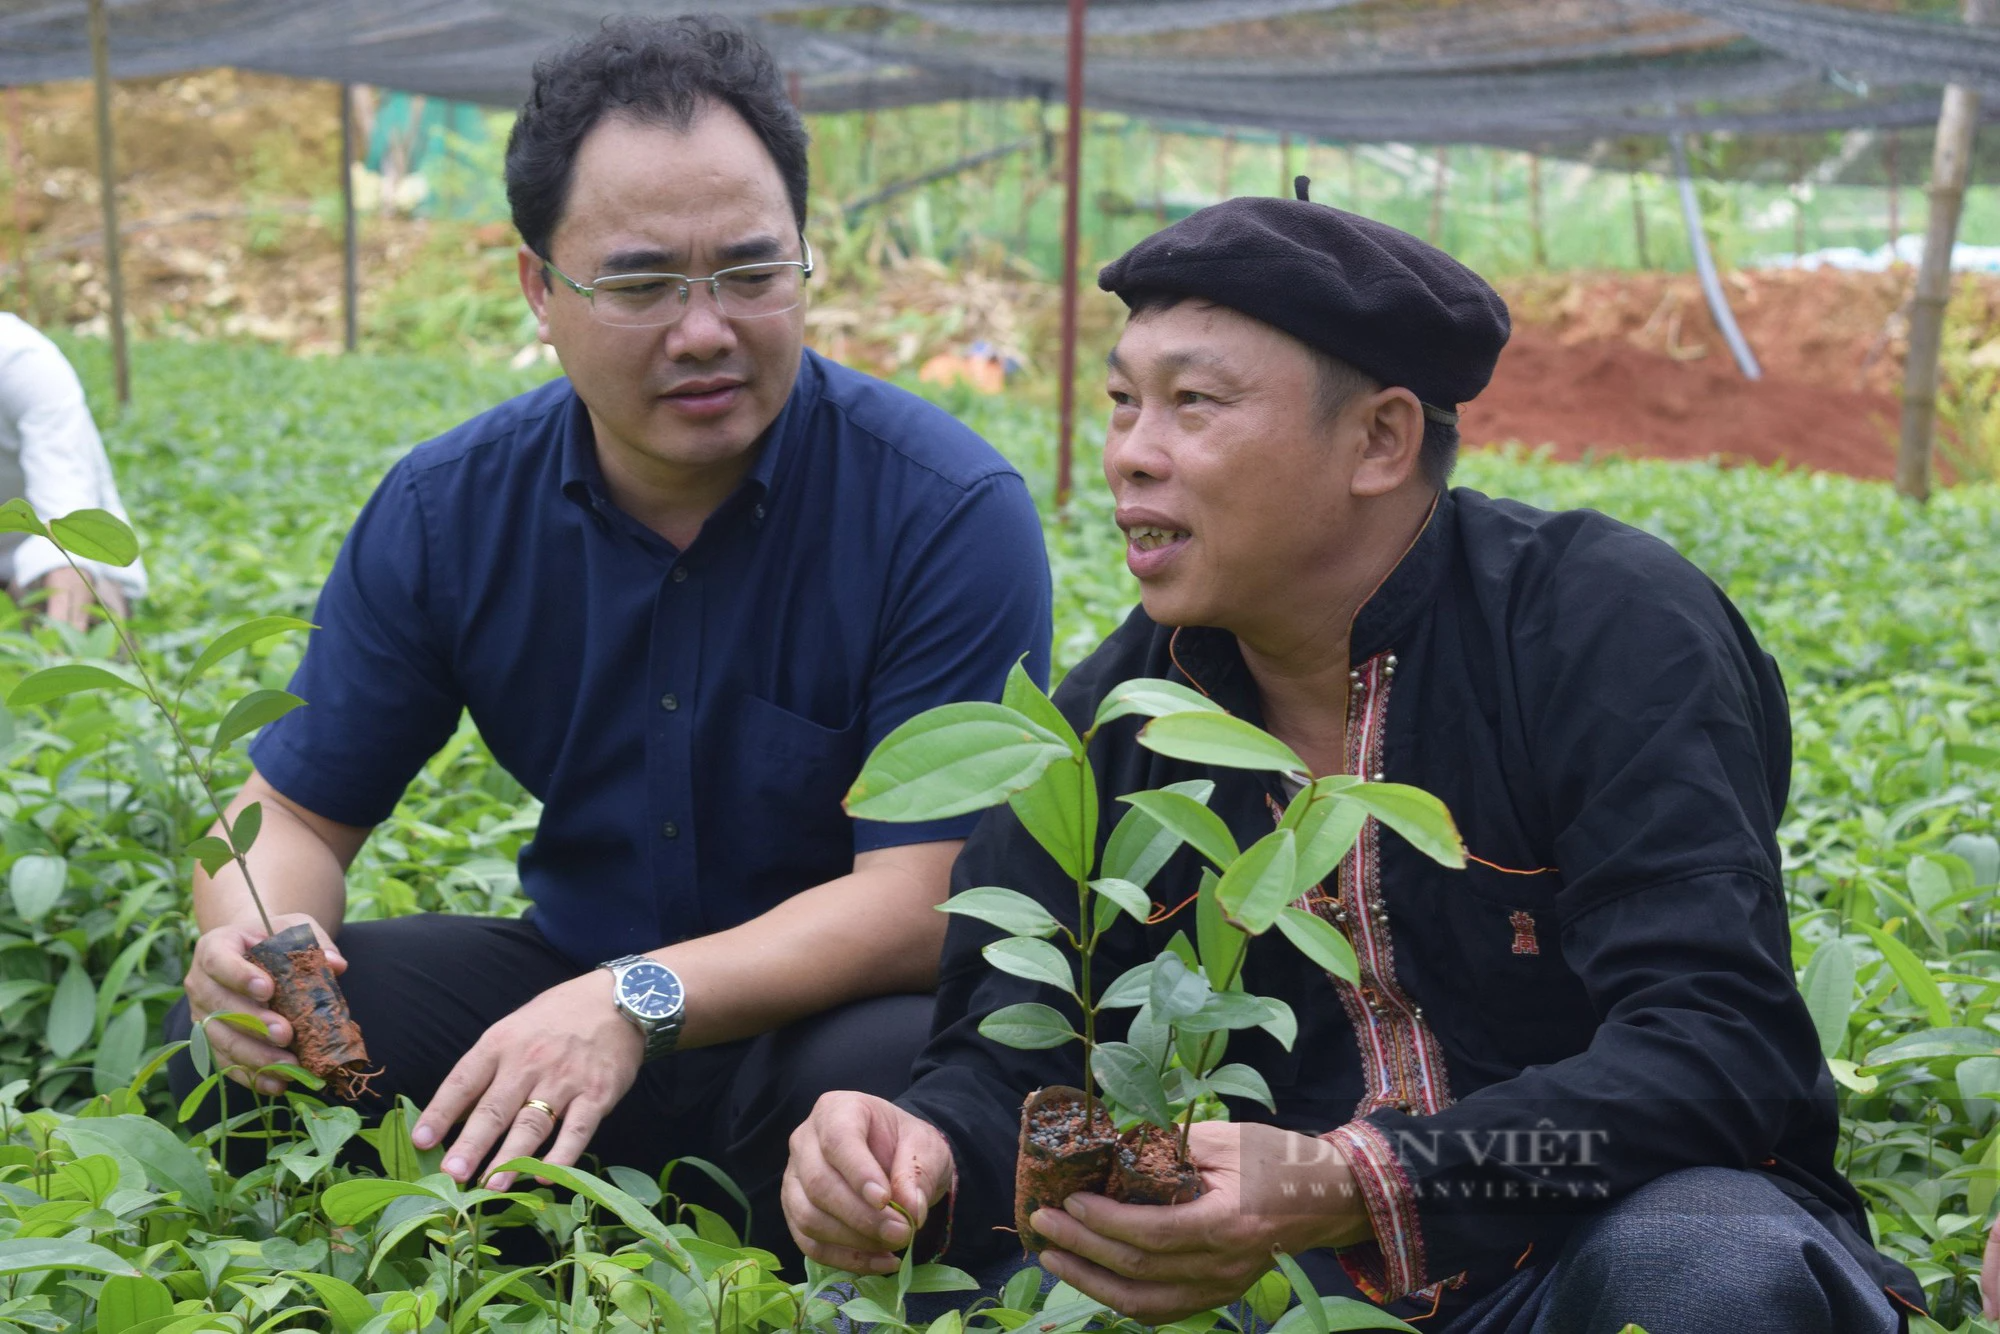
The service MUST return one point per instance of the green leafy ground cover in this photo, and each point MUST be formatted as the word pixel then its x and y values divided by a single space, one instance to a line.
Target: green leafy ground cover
pixel 244 467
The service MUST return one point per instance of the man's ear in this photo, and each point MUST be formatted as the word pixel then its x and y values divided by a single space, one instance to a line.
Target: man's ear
pixel 535 287
pixel 1392 425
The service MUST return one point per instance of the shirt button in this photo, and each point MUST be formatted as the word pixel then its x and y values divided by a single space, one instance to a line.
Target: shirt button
pixel 758 513
pixel 680 574
pixel 670 702
pixel 670 830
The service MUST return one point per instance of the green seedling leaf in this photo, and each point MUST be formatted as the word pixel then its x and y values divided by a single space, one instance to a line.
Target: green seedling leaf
pixel 1935 1042
pixel 250 713
pixel 1416 815
pixel 1026 698
pixel 1237 1080
pixel 1850 1076
pixel 1910 971
pixel 118 1051
pixel 1177 992
pixel 1282 1025
pixel 128 1300
pixel 1327 830
pixel 240 638
pixel 1028 1027
pixel 243 833
pixel 1140 845
pixel 1979 1087
pixel 950 761
pixel 1220 739
pixel 27 1255
pixel 1229 1010
pixel 72 1012
pixel 36 883
pixel 1009 909
pixel 1828 985
pixel 97 535
pixel 1310 1312
pixel 211 852
pixel 18 516
pixel 345 1306
pixel 1035 960
pixel 166 1159
pixel 1130 1080
pixel 68 678
pixel 1256 886
pixel 1115 896
pixel 1153 698
pixel 1221 945
pixel 1190 822
pixel 349 1203
pixel 606 1196
pixel 1060 810
pixel 1320 941
pixel 1128 989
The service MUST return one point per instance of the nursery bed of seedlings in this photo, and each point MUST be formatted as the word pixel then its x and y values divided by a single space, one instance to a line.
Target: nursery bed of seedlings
pixel 243 467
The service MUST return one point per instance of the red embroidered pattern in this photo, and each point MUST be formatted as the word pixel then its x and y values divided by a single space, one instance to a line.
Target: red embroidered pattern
pixel 1524 933
pixel 1394 1264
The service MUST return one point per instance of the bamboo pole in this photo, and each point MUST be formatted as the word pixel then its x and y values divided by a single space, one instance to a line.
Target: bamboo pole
pixel 1535 237
pixel 1284 164
pixel 107 188
pixel 1437 196
pixel 1895 193
pixel 1639 217
pixel 350 265
pixel 1951 162
pixel 1072 172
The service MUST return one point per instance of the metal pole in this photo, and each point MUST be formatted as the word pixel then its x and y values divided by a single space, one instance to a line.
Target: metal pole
pixel 1072 170
pixel 107 188
pixel 350 264
pixel 1951 164
pixel 1704 263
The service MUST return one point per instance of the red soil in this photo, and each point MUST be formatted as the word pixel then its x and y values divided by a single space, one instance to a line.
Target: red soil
pixel 1632 363
pixel 1606 395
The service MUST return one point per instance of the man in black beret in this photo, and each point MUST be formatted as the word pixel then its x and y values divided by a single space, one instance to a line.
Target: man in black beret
pixel 1575 1084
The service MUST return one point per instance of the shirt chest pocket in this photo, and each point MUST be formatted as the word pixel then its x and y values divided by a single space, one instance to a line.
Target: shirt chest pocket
pixel 788 772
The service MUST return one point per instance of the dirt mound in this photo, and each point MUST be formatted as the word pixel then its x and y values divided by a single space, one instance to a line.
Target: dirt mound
pixel 1605 394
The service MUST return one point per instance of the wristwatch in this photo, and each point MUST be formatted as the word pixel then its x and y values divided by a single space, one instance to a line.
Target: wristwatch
pixel 649 993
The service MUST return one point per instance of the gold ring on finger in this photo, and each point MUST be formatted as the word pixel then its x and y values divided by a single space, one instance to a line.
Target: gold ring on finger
pixel 541 1106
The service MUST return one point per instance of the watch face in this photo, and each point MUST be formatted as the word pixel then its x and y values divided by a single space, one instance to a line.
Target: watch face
pixel 650 990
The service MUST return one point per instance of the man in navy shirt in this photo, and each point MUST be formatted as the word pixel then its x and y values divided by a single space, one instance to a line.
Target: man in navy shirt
pixel 682 593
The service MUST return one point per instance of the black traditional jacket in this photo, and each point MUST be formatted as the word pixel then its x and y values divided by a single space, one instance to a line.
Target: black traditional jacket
pixel 1603 996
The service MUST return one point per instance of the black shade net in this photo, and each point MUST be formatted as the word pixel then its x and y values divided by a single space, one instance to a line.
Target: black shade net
pixel 1598 78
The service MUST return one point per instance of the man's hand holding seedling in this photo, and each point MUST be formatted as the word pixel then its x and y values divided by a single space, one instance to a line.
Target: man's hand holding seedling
pixel 853 1161
pixel 1159 1263
pixel 221 981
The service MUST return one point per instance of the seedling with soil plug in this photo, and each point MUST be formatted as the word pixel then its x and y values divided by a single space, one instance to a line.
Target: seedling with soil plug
pixel 960 758
pixel 324 1036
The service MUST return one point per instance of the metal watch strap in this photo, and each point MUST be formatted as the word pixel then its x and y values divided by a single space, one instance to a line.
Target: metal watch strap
pixel 661 1035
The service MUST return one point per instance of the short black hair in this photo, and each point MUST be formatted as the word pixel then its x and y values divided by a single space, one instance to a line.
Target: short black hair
pixel 1338 383
pixel 664 71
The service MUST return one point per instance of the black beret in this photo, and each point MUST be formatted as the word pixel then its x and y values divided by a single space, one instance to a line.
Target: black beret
pixel 1378 299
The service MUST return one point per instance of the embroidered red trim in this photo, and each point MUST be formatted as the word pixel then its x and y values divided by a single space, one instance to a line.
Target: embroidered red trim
pixel 1392 1207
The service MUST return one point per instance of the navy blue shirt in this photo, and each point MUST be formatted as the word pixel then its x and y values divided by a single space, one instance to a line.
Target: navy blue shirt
pixel 690 719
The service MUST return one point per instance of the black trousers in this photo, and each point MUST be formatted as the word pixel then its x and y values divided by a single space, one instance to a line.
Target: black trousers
pixel 425 988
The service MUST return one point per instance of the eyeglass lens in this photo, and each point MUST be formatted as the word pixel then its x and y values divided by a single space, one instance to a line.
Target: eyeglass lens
pixel 742 293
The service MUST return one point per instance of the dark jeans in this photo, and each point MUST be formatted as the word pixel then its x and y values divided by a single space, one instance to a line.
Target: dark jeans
pixel 424 988
pixel 1706 1250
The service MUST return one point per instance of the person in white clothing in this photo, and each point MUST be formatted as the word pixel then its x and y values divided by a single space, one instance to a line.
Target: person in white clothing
pixel 51 455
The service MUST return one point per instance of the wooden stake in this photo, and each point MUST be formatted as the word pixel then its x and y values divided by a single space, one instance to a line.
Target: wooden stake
pixel 1895 193
pixel 1228 153
pixel 1951 162
pixel 1284 164
pixel 1160 175
pixel 15 170
pixel 1072 173
pixel 1536 240
pixel 107 186
pixel 1437 196
pixel 1639 218
pixel 350 266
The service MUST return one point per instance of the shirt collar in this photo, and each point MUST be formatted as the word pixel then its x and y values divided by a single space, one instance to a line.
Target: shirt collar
pixel 583 477
pixel 1212 661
